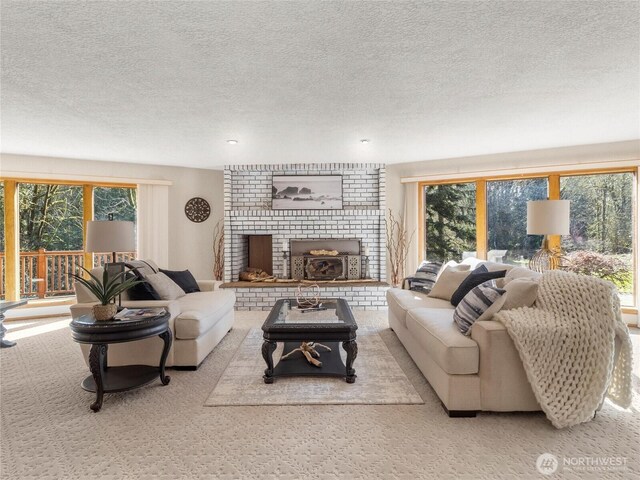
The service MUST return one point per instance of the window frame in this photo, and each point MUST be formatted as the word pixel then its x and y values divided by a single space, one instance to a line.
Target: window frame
pixel 11 224
pixel 553 179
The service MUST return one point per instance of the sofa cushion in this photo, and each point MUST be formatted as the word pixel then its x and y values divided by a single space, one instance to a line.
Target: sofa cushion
pixel 521 272
pixel 143 267
pixel 184 279
pixel 83 294
pixel 447 283
pixel 481 303
pixel 475 278
pixel 434 329
pixel 401 301
pixel 454 266
pixel 200 311
pixel 425 276
pixel 521 292
pixel 166 288
pixel 494 267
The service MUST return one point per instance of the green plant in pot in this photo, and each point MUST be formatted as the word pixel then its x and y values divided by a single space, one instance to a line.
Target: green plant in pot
pixel 105 291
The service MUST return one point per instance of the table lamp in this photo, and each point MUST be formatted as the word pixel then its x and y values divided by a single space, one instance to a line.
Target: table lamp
pixel 111 236
pixel 547 217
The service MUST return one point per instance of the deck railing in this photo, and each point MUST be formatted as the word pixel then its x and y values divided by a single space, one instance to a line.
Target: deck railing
pixel 46 273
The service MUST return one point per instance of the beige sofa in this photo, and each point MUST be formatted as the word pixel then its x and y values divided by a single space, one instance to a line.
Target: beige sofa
pixel 482 372
pixel 198 322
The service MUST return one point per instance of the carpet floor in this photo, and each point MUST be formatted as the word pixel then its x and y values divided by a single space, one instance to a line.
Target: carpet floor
pixel 380 380
pixel 48 431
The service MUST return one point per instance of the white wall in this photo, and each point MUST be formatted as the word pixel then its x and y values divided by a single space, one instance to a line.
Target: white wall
pixel 190 244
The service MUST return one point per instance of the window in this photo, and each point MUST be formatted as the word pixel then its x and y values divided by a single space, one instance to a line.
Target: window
pixel 601 229
pixel 508 241
pixel 450 221
pixel 487 217
pixel 117 203
pixel 50 238
pixel 121 202
pixel 51 219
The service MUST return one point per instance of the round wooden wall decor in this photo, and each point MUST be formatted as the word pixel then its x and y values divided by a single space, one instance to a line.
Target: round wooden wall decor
pixel 197 209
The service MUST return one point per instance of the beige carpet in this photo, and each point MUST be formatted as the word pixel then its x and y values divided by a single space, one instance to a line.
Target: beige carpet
pixel 380 380
pixel 48 431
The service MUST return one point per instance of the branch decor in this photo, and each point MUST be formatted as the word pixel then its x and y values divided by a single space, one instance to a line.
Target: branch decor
pixel 398 242
pixel 218 250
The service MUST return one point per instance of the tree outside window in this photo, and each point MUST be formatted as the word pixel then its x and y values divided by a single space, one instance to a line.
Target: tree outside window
pixel 450 221
pixel 601 229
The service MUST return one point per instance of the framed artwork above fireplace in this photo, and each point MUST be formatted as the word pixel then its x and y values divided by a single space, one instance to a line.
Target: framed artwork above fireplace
pixel 306 192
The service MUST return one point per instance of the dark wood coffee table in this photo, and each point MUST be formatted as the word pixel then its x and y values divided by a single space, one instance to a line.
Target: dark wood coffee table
pixel 287 324
pixel 104 379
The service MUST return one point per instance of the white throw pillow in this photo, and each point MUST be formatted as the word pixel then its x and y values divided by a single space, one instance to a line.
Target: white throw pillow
pixel 164 286
pixel 521 292
pixel 447 283
pixel 453 265
pixel 521 272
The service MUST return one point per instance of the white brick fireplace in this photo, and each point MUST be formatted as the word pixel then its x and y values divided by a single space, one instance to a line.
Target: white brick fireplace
pixel 247 208
pixel 247 211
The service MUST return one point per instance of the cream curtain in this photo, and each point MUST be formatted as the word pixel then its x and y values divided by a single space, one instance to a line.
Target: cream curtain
pixel 153 223
pixel 410 211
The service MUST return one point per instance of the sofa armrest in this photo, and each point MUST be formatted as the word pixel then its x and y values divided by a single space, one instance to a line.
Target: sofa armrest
pixel 503 382
pixel 209 285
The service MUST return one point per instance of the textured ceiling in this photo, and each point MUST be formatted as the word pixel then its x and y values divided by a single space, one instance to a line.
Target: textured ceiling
pixel 169 82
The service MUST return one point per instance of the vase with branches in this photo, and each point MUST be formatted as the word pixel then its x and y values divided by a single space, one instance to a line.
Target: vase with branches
pixel 218 250
pixel 398 242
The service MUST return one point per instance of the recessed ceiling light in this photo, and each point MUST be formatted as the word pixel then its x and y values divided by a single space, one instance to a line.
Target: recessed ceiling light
pixel 232 142
pixel 365 141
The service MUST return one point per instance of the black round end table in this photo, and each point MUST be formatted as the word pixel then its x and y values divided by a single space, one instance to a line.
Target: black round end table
pixel 103 379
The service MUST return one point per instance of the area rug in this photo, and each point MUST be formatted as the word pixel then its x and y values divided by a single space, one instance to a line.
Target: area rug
pixel 380 379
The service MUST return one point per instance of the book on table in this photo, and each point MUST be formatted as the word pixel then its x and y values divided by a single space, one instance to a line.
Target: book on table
pixel 138 313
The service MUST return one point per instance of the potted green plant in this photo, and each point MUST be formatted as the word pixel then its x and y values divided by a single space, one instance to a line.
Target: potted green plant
pixel 105 291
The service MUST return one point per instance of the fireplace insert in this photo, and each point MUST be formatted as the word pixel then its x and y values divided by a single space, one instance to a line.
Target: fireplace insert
pixel 343 266
pixel 325 268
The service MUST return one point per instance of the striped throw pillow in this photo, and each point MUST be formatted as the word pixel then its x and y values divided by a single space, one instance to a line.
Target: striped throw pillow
pixel 425 276
pixel 481 303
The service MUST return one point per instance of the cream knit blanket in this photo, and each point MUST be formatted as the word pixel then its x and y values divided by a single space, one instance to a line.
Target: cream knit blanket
pixel 566 343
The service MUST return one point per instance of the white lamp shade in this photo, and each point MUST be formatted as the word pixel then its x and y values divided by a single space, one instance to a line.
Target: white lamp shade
pixel 548 217
pixel 110 236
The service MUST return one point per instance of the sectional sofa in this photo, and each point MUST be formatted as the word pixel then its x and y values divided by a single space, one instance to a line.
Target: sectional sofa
pixel 482 372
pixel 198 322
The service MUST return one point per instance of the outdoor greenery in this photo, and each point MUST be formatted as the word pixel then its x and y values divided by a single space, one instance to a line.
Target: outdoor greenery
pixel 121 202
pixel 450 220
pixel 507 217
pixel 601 239
pixel 601 234
pixel 51 215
